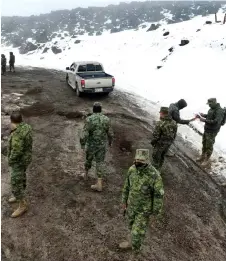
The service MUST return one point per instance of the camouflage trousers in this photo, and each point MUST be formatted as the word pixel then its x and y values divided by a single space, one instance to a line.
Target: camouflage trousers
pixel 18 181
pixel 97 155
pixel 138 224
pixel 11 67
pixel 208 141
pixel 158 155
pixel 3 69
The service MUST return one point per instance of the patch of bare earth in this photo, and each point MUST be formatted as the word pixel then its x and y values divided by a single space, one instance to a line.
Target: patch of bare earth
pixel 66 220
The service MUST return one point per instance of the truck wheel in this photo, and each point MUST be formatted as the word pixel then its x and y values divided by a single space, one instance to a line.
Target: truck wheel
pixel 78 93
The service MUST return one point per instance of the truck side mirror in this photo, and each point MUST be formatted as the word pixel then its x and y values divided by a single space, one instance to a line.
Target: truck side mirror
pixel 67 68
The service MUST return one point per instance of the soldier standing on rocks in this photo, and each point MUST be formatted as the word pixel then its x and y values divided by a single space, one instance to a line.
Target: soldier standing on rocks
pixel 11 62
pixel 19 157
pixel 97 133
pixel 163 136
pixel 142 197
pixel 3 63
pixel 213 121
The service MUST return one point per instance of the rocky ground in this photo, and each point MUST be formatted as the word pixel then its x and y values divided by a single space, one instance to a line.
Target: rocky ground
pixel 66 220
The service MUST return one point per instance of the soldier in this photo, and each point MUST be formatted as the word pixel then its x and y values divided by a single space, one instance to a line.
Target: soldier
pixel 213 122
pixel 97 133
pixel 11 61
pixel 19 157
pixel 3 63
pixel 163 136
pixel 142 197
pixel 174 111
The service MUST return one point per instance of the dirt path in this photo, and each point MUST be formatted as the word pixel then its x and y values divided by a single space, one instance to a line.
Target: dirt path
pixel 66 220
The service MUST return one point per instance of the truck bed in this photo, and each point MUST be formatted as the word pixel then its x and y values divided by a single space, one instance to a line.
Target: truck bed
pixel 94 75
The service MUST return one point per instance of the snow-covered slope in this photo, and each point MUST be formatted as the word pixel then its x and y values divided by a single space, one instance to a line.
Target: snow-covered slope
pixel 195 71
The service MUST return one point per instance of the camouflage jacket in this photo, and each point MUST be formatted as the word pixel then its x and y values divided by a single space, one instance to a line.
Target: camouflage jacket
pixel 97 131
pixel 20 145
pixel 214 119
pixel 165 131
pixel 3 61
pixel 143 190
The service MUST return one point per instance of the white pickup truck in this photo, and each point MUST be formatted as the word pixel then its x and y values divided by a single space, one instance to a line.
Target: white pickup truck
pixel 89 77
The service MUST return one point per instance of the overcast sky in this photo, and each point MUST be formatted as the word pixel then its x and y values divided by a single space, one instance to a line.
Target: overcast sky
pixel 30 7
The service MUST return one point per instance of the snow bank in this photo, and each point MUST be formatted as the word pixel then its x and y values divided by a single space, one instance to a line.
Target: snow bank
pixel 194 72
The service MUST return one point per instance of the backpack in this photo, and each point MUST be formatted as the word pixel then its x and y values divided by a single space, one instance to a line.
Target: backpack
pixel 224 117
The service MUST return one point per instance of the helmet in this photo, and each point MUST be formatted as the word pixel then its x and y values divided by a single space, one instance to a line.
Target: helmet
pixel 212 100
pixel 142 155
pixel 164 110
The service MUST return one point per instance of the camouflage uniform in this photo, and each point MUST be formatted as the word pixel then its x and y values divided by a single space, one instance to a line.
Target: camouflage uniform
pixel 163 136
pixel 19 157
pixel 3 64
pixel 213 121
pixel 96 133
pixel 143 195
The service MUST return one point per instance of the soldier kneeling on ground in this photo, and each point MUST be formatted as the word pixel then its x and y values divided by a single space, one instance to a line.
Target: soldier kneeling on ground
pixel 19 158
pixel 213 120
pixel 142 197
pixel 163 136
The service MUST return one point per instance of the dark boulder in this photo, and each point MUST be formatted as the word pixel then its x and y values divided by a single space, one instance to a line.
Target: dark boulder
pixel 77 41
pixel 98 33
pixel 45 50
pixel 56 50
pixel 74 36
pixel 115 30
pixel 27 47
pixel 184 42
pixel 153 27
pixel 198 30
pixel 208 22
pixel 166 33
pixel 159 67
pixel 171 49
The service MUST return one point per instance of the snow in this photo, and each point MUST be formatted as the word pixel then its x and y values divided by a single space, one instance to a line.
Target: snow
pixel 194 72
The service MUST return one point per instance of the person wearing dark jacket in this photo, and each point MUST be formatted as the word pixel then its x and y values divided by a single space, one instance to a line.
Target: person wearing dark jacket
pixel 174 112
pixel 3 63
pixel 213 122
pixel 11 61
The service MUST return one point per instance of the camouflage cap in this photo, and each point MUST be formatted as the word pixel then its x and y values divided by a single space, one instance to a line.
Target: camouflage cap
pixel 212 100
pixel 142 155
pixel 164 109
pixel 97 104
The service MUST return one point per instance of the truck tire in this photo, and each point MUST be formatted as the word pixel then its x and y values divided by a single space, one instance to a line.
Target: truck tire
pixel 78 93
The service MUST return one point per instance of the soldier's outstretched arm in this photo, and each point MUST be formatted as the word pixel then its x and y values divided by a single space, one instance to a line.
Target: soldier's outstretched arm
pixel 126 187
pixel 158 194
pixel 156 134
pixel 16 152
pixel 85 134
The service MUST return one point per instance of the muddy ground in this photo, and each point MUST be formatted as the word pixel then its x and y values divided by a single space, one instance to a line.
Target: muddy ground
pixel 66 220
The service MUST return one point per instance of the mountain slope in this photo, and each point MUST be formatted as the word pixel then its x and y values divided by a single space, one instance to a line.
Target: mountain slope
pixel 96 20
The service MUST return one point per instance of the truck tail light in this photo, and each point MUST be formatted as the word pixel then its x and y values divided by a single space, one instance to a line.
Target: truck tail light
pixel 83 83
pixel 113 81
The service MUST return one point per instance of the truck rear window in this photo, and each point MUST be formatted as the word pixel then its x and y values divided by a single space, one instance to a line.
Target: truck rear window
pixel 90 68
